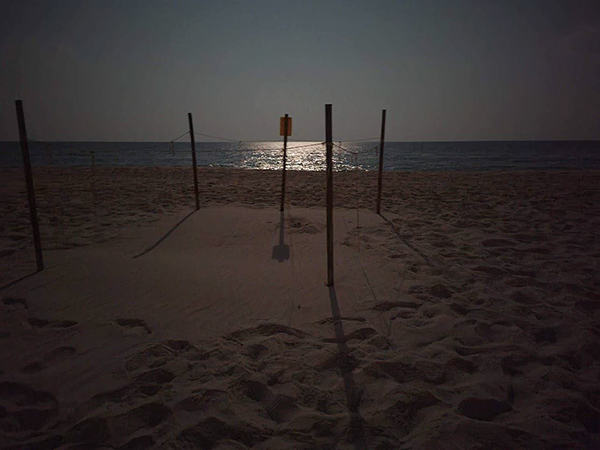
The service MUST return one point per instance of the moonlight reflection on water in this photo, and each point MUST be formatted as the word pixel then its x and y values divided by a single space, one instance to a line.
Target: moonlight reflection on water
pixel 300 156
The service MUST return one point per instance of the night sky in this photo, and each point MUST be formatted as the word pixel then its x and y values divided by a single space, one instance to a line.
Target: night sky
pixel 444 70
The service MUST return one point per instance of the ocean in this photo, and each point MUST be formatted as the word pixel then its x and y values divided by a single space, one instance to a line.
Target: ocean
pixel 408 156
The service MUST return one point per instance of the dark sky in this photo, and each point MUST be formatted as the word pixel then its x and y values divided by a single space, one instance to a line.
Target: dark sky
pixel 444 70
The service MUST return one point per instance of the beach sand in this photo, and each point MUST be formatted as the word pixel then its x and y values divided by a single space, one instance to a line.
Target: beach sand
pixel 467 315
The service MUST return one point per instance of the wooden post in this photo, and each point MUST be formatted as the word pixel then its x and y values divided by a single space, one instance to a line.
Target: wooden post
pixel 93 155
pixel 329 173
pixel 285 136
pixel 193 141
pixel 381 143
pixel 29 179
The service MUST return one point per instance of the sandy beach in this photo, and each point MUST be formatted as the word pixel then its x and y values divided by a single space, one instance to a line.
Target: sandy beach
pixel 466 316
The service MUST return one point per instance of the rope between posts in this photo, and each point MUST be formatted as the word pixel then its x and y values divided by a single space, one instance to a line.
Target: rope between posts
pixel 114 150
pixel 242 140
pixel 239 141
pixel 353 152
pixel 304 146
pixel 344 149
pixel 184 134
pixel 218 137
pixel 160 144
pixel 360 140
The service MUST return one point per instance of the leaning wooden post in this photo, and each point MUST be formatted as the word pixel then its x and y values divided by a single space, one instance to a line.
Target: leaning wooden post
pixel 379 181
pixel 193 141
pixel 285 136
pixel 29 179
pixel 329 172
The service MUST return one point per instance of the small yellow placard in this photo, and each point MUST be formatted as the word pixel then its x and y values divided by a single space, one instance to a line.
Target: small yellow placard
pixel 282 126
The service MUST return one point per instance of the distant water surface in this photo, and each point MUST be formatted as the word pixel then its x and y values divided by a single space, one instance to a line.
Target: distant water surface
pixel 411 156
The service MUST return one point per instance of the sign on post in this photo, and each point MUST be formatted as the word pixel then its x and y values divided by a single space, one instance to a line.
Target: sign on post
pixel 282 126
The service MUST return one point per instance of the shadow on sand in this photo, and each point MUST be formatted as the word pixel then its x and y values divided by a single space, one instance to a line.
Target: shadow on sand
pixel 167 234
pixel 18 280
pixel 281 252
pixel 357 431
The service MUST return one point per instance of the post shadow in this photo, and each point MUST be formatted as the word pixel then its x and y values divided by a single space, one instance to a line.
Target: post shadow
pixel 167 234
pixel 281 252
pixel 346 366
pixel 18 280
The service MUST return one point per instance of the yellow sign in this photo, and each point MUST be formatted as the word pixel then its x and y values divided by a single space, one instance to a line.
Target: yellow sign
pixel 282 126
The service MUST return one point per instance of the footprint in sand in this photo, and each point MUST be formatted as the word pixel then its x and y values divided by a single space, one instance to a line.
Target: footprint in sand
pixel 135 325
pixel 545 335
pixel 460 308
pixel 498 243
pixel 301 225
pixel 396 255
pixel 140 389
pixel 201 399
pixel 25 409
pixel 141 418
pixel 254 351
pixel 485 409
pixel 119 428
pixel 512 365
pixel 141 442
pixel 267 329
pixel 440 291
pixel 209 432
pixel 387 306
pixel 330 320
pixel 43 323
pixel 346 362
pixel 360 334
pixel 489 270
pixel 404 407
pixel 15 303
pixel 280 408
pixel 406 371
pixel 55 356
pixel 160 363
pixel 156 355
pixel 573 410
pixel 404 314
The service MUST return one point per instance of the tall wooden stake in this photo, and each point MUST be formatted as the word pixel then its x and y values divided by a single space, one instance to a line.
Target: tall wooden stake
pixel 193 141
pixel 285 136
pixel 29 179
pixel 329 142
pixel 381 143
